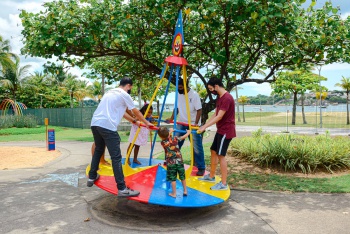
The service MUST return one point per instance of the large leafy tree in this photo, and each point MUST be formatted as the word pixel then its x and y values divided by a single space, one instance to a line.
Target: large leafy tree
pixel 226 38
pixel 295 83
pixel 345 84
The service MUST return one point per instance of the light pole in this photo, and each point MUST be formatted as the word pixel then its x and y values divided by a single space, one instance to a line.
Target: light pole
pixel 260 109
pixel 319 76
pixel 41 100
pixel 70 97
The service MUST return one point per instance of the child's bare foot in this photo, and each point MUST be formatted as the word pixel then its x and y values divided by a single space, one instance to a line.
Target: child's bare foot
pixel 137 162
pixel 172 195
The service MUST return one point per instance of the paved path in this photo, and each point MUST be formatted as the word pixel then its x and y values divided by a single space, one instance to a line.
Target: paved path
pixel 55 199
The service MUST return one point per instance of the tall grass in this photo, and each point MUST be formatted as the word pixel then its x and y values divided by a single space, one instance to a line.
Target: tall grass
pixel 294 152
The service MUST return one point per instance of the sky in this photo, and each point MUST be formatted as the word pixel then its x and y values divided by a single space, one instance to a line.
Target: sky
pixel 10 28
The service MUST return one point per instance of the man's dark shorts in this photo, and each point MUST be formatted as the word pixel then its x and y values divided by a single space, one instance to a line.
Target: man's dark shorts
pixel 173 170
pixel 220 144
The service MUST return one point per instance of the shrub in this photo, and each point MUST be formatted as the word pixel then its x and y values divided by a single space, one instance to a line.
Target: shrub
pixel 18 121
pixel 293 152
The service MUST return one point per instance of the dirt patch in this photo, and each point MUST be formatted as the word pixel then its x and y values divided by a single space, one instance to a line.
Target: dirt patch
pixel 237 165
pixel 14 157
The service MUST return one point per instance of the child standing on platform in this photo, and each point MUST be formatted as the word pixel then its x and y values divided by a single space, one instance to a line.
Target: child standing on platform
pixel 174 159
pixel 143 134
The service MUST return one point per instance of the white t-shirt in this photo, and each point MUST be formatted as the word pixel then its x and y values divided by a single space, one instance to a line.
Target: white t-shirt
pixel 195 104
pixel 111 109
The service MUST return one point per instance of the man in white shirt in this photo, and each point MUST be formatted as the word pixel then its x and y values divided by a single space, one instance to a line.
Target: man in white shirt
pixel 104 124
pixel 196 112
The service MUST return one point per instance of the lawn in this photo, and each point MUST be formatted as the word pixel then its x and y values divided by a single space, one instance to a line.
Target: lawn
pixel 329 119
pixel 61 134
pixel 273 182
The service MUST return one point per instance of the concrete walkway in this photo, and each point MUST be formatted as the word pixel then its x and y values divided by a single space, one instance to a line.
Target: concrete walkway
pixel 55 199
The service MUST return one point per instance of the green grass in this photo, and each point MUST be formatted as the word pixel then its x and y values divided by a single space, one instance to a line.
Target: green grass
pixel 329 119
pixel 61 134
pixel 338 184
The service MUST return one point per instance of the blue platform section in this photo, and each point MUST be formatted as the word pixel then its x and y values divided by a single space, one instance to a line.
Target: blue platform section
pixel 195 198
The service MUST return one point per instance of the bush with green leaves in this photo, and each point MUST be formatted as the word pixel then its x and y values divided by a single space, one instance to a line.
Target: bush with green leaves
pixel 294 152
pixel 18 121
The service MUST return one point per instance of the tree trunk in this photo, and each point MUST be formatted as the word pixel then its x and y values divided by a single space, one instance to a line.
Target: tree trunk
pixel 158 112
pixel 302 108
pixel 243 113
pixel 103 84
pixel 139 97
pixel 238 114
pixel 347 108
pixel 295 99
pixel 206 108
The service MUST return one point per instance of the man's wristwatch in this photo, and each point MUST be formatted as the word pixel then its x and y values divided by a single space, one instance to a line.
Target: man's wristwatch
pixel 134 120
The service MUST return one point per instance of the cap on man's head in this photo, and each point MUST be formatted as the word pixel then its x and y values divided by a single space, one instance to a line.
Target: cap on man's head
pixel 124 81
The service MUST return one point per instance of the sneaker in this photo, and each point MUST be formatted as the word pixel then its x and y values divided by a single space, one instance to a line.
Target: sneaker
pixel 200 172
pixel 219 186
pixel 91 182
pixel 127 192
pixel 207 178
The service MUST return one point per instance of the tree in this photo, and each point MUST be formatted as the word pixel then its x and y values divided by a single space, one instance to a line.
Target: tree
pixel 33 89
pixel 82 91
pixel 96 90
pixel 295 82
pixel 243 100
pixel 12 77
pixel 70 84
pixel 58 73
pixel 223 38
pixel 6 57
pixel 345 84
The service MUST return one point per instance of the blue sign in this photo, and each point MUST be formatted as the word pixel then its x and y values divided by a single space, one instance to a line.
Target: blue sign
pixel 51 139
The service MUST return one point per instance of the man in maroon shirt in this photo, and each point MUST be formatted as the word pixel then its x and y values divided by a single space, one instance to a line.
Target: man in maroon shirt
pixel 224 118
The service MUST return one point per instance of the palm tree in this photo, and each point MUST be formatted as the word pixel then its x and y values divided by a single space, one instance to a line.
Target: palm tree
pixel 96 90
pixel 82 91
pixel 36 84
pixel 243 100
pixel 345 84
pixel 12 77
pixel 70 84
pixel 6 58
